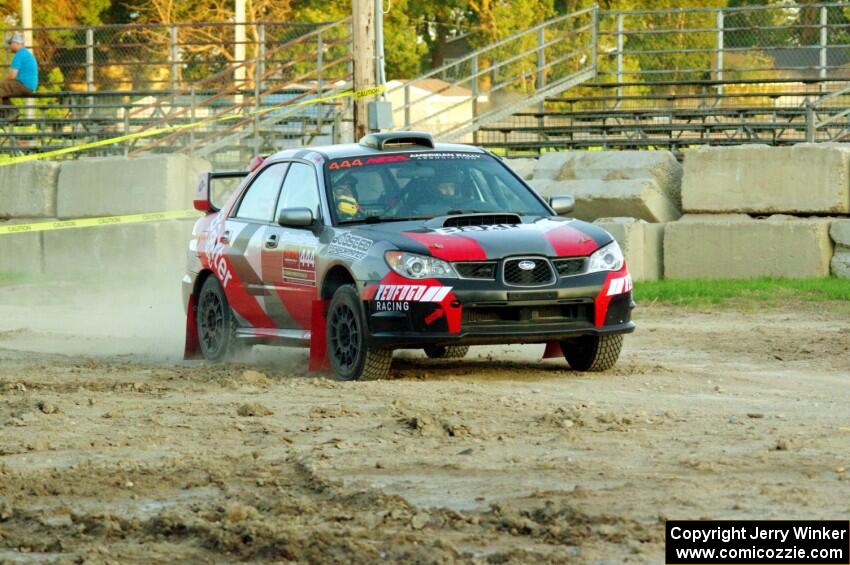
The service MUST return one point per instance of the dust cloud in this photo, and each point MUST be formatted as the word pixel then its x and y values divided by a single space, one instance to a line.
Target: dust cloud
pixel 101 317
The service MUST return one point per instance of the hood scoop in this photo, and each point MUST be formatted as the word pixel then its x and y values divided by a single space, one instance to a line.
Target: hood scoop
pixel 467 220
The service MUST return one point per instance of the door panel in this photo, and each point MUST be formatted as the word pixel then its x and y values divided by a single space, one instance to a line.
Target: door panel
pixel 290 254
pixel 241 244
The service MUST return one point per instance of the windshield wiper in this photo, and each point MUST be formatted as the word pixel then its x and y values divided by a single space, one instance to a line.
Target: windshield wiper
pixel 456 212
pixel 379 220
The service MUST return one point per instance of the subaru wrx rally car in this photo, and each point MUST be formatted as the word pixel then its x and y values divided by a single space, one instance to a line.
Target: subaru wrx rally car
pixel 399 243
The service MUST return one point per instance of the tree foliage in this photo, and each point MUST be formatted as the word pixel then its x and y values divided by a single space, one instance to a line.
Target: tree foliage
pixel 424 34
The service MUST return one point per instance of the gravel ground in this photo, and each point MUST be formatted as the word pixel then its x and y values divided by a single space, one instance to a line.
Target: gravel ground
pixel 112 450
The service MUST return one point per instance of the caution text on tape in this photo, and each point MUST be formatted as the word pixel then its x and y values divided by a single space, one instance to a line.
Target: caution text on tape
pixel 95 222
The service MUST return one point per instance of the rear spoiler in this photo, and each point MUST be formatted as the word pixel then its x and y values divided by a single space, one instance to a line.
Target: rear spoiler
pixel 206 197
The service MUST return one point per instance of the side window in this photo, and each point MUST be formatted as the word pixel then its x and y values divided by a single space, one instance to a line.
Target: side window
pixel 300 189
pixel 259 202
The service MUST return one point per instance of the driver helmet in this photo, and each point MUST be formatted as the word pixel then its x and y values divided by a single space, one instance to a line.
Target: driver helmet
pixel 448 183
pixel 345 197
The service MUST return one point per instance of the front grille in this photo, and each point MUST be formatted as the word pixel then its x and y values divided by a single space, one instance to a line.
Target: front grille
pixel 540 274
pixel 476 270
pixel 482 220
pixel 569 267
pixel 510 315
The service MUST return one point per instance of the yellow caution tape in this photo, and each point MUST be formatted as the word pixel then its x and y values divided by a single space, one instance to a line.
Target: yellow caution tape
pixel 169 129
pixel 96 222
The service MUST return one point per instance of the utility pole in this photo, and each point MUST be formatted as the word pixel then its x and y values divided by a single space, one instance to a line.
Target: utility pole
pixel 363 29
pixel 26 22
pixel 239 48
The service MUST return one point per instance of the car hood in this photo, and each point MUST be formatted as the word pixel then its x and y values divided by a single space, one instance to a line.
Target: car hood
pixel 551 237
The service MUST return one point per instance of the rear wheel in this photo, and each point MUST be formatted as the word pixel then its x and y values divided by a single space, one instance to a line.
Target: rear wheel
pixel 593 353
pixel 350 355
pixel 216 323
pixel 447 351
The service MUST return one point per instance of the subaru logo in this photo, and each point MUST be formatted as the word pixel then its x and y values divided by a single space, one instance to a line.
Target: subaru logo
pixel 527 265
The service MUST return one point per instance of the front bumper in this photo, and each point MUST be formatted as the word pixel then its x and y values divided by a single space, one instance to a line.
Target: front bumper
pixel 473 314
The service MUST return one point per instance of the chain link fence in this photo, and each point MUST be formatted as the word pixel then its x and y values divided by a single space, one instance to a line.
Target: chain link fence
pixel 683 50
pixel 150 58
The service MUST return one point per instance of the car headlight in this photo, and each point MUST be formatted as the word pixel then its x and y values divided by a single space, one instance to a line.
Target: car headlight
pixel 415 266
pixel 608 258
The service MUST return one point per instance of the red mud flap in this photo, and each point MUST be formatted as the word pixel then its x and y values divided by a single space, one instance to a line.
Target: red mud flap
pixel 553 350
pixel 318 337
pixel 192 349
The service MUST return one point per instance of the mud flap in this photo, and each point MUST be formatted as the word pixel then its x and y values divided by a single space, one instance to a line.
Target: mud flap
pixel 192 348
pixel 318 337
pixel 553 350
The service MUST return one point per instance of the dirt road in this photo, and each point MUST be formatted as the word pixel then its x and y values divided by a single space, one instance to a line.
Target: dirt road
pixel 112 450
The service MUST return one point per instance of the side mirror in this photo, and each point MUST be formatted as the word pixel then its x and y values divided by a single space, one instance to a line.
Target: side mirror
pixel 562 204
pixel 295 217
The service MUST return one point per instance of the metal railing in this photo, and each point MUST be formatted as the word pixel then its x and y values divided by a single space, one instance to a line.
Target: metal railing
pixel 315 64
pixel 828 118
pixel 139 76
pixel 261 92
pixel 494 81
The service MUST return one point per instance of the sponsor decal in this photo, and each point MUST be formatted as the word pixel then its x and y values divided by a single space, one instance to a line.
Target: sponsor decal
pixel 411 293
pixel 620 285
pixel 215 251
pixel 461 229
pixel 299 264
pixel 435 155
pixel 349 163
pixel 350 246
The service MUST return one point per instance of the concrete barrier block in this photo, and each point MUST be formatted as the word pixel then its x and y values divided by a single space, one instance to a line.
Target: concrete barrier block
pixel 112 186
pixel 635 198
pixel 840 263
pixel 736 246
pixel 523 167
pixel 660 166
pixel 21 252
pixel 551 165
pixel 805 178
pixel 839 231
pixel 156 247
pixel 642 244
pixel 28 190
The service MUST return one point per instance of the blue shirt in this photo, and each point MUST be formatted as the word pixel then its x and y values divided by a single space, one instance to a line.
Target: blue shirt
pixel 27 68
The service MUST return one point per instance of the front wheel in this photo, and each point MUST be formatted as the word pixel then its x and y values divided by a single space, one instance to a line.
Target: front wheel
pixel 447 351
pixel 350 355
pixel 593 353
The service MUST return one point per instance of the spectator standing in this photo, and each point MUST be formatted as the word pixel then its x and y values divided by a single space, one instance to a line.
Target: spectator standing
pixel 22 78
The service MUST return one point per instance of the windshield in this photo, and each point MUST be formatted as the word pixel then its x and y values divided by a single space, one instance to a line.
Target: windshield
pixel 409 186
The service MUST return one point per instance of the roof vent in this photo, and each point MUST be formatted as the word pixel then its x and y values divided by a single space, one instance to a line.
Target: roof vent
pixel 396 139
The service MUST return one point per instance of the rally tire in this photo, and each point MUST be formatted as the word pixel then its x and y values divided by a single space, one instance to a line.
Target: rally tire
pixel 349 352
pixel 216 323
pixel 593 353
pixel 447 351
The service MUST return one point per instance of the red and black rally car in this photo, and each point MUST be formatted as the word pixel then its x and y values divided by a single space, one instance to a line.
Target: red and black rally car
pixel 399 243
